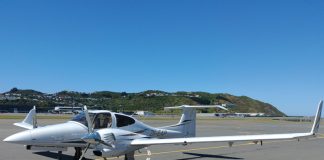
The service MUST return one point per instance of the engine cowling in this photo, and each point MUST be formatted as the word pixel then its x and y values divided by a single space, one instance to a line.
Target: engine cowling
pixel 119 142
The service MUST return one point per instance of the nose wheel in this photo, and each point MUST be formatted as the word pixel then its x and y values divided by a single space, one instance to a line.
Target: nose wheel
pixel 59 155
pixel 78 153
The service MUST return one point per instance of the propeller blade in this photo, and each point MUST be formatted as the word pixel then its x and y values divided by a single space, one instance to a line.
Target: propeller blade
pixel 86 113
pixel 85 150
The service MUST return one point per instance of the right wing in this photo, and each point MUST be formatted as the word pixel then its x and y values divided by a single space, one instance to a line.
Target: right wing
pixel 254 138
pixel 232 139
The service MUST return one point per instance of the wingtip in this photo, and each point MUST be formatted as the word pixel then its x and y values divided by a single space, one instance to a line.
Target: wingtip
pixel 317 118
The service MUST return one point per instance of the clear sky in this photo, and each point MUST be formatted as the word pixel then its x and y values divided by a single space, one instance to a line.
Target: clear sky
pixel 269 50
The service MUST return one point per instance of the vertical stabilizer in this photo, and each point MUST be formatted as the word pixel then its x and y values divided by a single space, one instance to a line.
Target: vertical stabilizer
pixel 30 120
pixel 187 123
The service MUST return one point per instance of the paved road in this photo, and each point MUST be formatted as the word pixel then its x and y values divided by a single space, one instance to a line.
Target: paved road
pixel 311 149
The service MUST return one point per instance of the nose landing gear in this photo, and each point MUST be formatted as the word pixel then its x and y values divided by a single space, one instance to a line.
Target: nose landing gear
pixel 78 153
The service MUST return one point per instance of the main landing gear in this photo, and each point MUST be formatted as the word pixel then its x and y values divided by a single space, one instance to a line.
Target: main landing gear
pixel 129 156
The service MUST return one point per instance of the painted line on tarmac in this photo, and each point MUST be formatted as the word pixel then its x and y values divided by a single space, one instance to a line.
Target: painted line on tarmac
pixel 319 136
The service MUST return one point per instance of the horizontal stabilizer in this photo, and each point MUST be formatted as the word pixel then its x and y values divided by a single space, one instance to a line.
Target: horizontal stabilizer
pixel 23 125
pixel 196 106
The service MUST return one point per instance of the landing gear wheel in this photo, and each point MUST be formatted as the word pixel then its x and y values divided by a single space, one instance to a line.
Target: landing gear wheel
pixel 129 156
pixel 78 153
pixel 59 156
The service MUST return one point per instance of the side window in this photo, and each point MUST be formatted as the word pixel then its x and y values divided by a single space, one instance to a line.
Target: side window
pixel 124 120
pixel 102 120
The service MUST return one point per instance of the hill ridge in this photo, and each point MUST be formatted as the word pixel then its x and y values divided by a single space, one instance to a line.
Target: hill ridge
pixel 152 100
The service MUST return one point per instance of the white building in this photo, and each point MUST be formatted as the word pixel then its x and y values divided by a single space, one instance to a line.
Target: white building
pixel 144 113
pixel 66 109
pixel 222 115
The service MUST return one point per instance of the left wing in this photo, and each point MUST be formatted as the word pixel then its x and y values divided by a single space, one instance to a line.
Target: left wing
pixel 232 139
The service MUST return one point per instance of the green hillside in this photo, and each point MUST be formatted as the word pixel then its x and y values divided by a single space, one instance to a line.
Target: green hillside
pixel 151 100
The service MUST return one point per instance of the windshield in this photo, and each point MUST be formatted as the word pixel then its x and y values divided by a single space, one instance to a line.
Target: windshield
pixel 82 119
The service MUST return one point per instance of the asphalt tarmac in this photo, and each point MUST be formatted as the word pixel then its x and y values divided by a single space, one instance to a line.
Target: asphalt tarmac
pixel 311 149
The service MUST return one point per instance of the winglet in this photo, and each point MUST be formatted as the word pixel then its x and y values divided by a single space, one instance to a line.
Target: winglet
pixel 317 118
pixel 30 121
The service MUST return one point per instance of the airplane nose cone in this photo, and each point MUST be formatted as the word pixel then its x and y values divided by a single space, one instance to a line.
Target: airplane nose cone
pixel 20 138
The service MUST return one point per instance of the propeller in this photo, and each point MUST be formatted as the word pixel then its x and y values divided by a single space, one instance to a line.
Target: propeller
pixel 86 113
pixel 94 137
pixel 90 130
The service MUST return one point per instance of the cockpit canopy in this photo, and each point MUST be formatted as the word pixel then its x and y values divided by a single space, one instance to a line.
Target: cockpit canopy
pixel 104 120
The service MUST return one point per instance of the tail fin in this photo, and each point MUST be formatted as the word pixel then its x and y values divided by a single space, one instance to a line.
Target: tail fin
pixel 317 118
pixel 30 121
pixel 187 123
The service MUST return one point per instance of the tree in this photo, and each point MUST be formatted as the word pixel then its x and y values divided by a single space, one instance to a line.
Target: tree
pixel 13 90
pixel 123 94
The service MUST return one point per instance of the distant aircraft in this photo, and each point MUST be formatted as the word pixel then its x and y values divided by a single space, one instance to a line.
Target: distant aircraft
pixel 112 134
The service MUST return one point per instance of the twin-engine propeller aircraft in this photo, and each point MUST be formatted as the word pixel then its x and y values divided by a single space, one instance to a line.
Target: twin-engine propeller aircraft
pixel 112 134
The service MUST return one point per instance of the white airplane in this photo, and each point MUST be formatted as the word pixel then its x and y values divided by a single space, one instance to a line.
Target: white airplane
pixel 112 134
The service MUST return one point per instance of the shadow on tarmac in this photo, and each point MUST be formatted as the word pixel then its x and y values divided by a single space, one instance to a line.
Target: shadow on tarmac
pixel 56 156
pixel 199 155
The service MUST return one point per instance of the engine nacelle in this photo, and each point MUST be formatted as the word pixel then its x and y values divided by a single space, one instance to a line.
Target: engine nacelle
pixel 120 142
pixel 115 152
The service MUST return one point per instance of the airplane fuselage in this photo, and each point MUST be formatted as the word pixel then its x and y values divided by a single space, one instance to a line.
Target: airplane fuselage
pixel 61 136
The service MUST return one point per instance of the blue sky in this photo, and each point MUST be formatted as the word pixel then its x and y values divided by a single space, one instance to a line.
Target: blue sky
pixel 269 50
